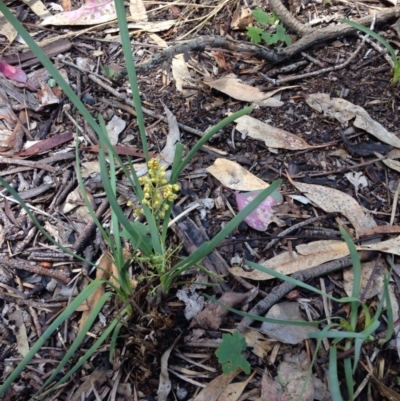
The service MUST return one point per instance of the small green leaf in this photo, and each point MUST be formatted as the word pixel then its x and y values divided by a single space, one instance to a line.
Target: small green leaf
pixel 269 39
pixel 254 34
pixel 263 18
pixel 281 35
pixel 229 353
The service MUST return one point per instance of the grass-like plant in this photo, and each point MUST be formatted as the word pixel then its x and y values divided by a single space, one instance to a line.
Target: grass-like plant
pixel 149 239
pixel 347 334
pixel 395 59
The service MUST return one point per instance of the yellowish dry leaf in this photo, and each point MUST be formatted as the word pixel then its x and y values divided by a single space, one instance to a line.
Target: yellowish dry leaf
pixel 38 8
pixel 235 88
pixel 389 246
pixel 138 10
pixel 215 388
pixel 306 256
pixel 234 176
pixel 7 29
pixel 272 136
pixel 234 390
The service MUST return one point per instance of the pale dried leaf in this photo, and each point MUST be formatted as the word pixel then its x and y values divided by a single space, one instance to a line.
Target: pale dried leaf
pixel 389 246
pixel 165 385
pixel 307 256
pixel 273 137
pixel 282 332
pixel 153 26
pixel 5 136
pixel 235 88
pixel 91 13
pixel 215 388
pixel 2 236
pixel 90 168
pixel 138 10
pixel 114 127
pixel 20 332
pixel 168 153
pixel 344 111
pixel 7 29
pixel 334 201
pixel 242 18
pixel 234 176
pixel 393 164
pixel 358 179
pixel 181 75
pixel 38 8
pixel 233 391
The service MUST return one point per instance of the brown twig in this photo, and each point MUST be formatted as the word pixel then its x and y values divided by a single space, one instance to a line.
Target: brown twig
pixel 34 268
pixel 311 37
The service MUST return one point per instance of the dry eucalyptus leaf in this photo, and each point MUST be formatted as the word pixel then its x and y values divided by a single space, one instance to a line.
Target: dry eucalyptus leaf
pixel 284 333
pixel 344 111
pixel 38 8
pixel 307 256
pixel 214 389
pixel 114 127
pixel 7 29
pixel 389 246
pixel 234 176
pixel 334 201
pixel 273 137
pixel 389 161
pixel 153 26
pixel 235 88
pixel 138 10
pixel 19 330
pixel 233 391
pixel 168 153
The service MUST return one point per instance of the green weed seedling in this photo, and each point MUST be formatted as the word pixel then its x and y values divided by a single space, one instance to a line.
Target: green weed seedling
pixel 257 34
pixel 149 239
pixel 342 333
pixel 395 59
pixel 229 353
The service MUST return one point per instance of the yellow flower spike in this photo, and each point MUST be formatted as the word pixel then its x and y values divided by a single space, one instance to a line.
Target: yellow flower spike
pixel 176 187
pixel 166 207
pixel 129 203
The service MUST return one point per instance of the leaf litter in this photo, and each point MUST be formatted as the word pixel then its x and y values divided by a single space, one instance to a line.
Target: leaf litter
pixel 291 140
